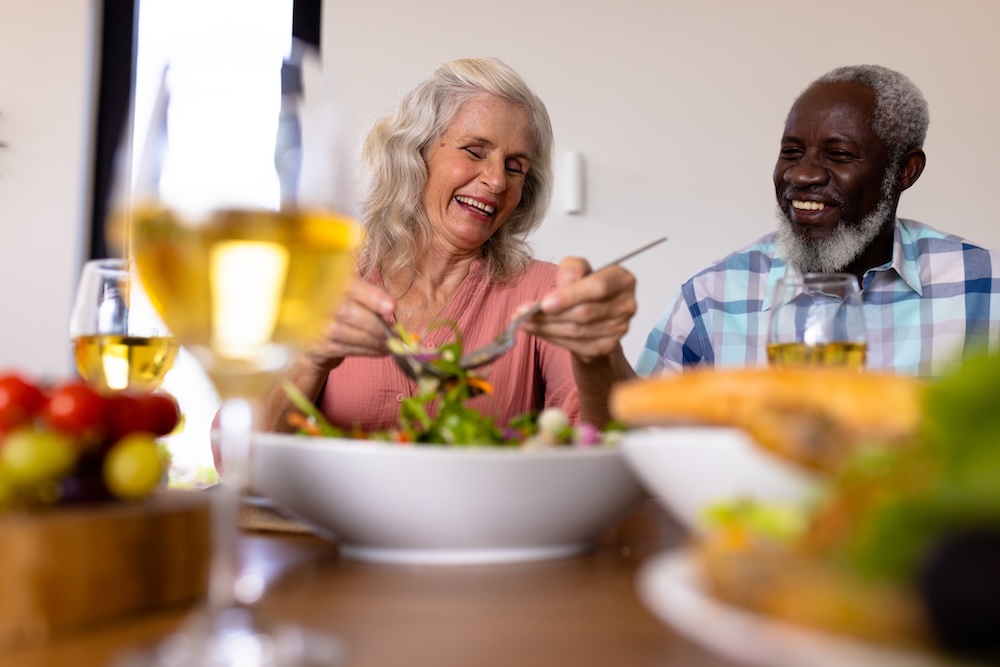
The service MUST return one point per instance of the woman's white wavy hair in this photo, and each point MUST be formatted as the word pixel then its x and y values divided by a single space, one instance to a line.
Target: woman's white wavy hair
pixel 396 225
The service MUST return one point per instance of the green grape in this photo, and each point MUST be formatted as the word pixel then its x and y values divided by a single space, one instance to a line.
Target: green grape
pixel 133 467
pixel 30 457
pixel 7 491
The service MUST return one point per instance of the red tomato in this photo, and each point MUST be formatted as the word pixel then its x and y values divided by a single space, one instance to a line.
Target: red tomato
pixel 19 401
pixel 162 413
pixel 77 409
pixel 126 415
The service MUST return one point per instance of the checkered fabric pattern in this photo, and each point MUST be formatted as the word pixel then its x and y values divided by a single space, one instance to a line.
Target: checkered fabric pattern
pixel 935 302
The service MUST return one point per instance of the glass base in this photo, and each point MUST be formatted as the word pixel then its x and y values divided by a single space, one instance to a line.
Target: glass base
pixel 237 637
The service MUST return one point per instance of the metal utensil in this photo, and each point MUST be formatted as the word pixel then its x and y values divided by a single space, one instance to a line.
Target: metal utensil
pixel 414 362
pixel 417 362
pixel 505 340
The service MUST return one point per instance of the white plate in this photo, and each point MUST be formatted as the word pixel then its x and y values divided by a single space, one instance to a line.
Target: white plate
pixel 670 586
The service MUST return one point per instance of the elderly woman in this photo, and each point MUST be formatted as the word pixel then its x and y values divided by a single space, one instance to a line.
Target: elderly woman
pixel 460 173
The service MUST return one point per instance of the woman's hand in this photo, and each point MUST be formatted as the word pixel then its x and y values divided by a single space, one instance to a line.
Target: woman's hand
pixel 353 330
pixel 587 313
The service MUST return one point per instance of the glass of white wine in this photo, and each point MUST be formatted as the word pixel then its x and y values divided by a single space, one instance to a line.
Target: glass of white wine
pixel 817 319
pixel 242 233
pixel 119 341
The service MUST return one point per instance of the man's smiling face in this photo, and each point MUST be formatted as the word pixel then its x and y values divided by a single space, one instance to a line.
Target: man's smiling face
pixel 832 182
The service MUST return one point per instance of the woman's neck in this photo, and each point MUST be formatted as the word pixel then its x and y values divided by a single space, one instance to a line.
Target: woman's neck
pixel 423 293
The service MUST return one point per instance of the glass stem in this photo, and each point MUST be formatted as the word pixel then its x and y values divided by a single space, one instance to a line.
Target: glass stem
pixel 236 423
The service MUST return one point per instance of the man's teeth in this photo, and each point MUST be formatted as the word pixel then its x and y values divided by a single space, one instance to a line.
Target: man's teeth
pixel 485 208
pixel 808 205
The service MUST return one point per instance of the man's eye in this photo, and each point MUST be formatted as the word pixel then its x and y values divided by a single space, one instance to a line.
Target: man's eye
pixel 475 152
pixel 839 155
pixel 790 152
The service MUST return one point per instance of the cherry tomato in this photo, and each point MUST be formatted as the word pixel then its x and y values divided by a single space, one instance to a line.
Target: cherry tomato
pixel 133 467
pixel 77 409
pixel 19 401
pixel 126 415
pixel 162 413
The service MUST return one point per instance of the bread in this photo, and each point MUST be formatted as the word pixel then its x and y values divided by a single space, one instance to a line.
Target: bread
pixel 814 416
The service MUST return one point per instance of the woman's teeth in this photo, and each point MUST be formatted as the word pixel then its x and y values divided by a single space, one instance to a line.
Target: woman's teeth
pixel 808 205
pixel 485 208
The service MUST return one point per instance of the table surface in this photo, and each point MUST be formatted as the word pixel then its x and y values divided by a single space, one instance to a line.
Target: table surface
pixel 580 611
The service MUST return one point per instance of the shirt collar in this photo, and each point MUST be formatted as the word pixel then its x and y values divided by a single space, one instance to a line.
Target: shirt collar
pixel 904 260
pixel 779 269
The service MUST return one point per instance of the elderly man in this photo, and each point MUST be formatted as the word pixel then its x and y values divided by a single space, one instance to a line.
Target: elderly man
pixel 853 142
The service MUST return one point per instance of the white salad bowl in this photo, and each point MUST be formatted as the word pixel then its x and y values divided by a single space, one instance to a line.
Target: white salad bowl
pixel 446 505
pixel 691 468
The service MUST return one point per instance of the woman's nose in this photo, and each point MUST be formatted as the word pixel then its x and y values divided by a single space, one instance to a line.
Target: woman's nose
pixel 494 175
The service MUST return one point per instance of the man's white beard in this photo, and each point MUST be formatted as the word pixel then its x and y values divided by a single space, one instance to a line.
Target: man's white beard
pixel 835 252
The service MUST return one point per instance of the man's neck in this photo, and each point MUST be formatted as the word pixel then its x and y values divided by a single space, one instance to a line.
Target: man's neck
pixel 878 252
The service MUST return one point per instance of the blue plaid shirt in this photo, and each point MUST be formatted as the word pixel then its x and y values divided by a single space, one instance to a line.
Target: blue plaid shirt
pixel 934 302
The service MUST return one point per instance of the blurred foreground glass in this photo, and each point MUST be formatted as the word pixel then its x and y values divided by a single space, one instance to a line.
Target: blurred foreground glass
pixel 119 341
pixel 245 270
pixel 817 319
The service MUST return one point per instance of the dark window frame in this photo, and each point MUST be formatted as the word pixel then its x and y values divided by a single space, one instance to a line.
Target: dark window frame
pixel 116 79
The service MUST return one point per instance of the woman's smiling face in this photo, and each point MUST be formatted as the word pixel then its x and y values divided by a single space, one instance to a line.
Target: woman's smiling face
pixel 476 171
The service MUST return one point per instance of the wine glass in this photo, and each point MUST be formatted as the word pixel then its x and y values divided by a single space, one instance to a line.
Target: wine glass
pixel 242 234
pixel 817 319
pixel 119 341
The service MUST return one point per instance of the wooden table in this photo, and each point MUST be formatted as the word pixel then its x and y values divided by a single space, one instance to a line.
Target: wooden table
pixel 578 612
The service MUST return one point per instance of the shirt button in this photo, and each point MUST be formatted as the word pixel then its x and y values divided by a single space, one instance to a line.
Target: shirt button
pixel 430 346
pixel 399 398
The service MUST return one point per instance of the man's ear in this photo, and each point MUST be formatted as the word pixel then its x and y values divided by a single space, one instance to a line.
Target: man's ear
pixel 913 165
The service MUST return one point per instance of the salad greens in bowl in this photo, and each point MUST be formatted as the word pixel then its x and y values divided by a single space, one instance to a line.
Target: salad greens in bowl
pixel 449 486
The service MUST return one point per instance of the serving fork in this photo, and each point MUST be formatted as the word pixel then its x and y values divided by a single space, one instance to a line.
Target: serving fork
pixel 416 362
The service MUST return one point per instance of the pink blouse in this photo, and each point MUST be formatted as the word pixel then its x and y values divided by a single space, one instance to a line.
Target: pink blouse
pixel 365 392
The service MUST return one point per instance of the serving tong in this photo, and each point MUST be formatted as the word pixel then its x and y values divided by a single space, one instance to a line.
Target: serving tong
pixel 416 360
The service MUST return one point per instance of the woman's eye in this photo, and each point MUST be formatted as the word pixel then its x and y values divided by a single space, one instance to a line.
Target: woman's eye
pixel 515 167
pixel 475 152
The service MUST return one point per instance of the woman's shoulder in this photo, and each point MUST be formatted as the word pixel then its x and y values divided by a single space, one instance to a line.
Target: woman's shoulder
pixel 539 277
pixel 541 270
pixel 535 280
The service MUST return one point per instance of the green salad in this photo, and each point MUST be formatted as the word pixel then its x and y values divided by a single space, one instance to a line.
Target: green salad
pixel 438 414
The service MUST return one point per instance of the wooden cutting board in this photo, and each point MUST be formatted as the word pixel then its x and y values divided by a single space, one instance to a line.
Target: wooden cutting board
pixel 64 569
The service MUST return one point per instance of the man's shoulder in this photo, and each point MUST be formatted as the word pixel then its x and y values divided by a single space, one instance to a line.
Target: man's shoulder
pixel 924 235
pixel 929 244
pixel 757 257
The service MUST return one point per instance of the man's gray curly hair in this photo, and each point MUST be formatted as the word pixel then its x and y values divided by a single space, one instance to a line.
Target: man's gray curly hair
pixel 901 116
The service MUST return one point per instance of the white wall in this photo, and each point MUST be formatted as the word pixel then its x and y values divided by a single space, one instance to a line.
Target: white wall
pixel 45 102
pixel 678 106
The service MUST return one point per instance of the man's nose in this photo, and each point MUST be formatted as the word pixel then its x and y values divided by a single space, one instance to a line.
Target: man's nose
pixel 805 172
